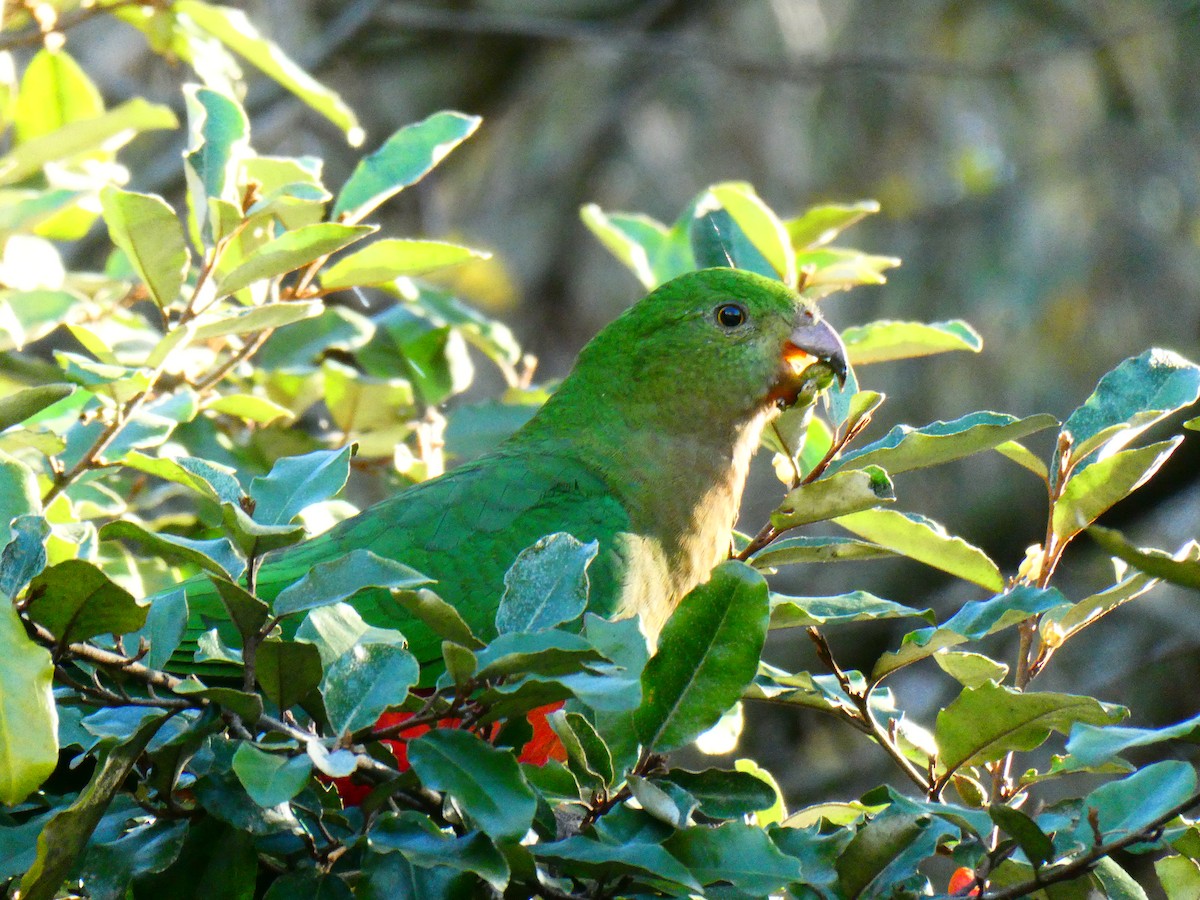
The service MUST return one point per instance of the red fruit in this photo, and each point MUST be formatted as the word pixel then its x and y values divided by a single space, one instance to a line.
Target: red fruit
pixel 538 750
pixel 962 879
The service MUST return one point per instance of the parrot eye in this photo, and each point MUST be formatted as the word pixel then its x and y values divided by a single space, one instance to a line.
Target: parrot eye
pixel 730 315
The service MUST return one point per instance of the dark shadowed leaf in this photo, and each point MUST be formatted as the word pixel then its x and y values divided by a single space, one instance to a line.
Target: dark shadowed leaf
pixel 707 654
pixel 485 781
pixel 740 854
pixel 76 601
pixel 287 671
pixel 546 585
pixel 646 862
pixel 723 794
pixel 422 844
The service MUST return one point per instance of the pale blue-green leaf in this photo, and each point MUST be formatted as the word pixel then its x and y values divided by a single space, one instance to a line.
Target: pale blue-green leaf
pixel 364 682
pixel 546 585
pixel 1092 745
pixel 296 482
pixel 342 578
pixel 857 606
pixel 270 778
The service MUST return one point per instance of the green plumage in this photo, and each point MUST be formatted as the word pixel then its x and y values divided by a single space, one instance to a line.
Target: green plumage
pixel 643 448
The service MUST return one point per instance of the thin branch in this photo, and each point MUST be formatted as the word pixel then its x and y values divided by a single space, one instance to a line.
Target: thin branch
pixel 35 33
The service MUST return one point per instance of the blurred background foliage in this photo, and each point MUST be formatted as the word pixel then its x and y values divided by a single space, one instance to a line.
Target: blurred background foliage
pixel 1037 165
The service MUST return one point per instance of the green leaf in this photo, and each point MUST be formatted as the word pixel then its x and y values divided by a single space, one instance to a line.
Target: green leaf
pixel 975 620
pixel 55 91
pixel 1024 458
pixel 216 861
pixel 290 251
pixel 270 778
pixel 925 541
pixel 983 724
pixel 342 578
pixel 970 669
pixel 218 139
pixel 538 652
pixel 546 585
pixel 723 794
pixel 1038 848
pixel 364 682
pixel 254 539
pixel 335 629
pixel 165 625
pixel 250 408
pixel 758 224
pixel 412 834
pixel 1129 805
pixel 247 320
pixel 248 706
pixel 308 884
pixel 1091 491
pixel 735 852
pixel 19 496
pixel 905 448
pixel 404 159
pixel 24 555
pixel 67 833
pixel 1179 877
pixel 109 130
pixel 819 225
pixel 1140 391
pixel 718 239
pixel 645 862
pixel 287 671
pixel 74 600
pixel 835 495
pixel 245 610
pixel 885 340
pixel 1185 572
pixel 216 556
pixel 28 717
pixel 16 407
pixel 1092 745
pixel 486 782
pixel 887 850
pixel 707 654
pixel 830 269
pixel 146 229
pixel 234 29
pixel 212 480
pixel 799 550
pixel 587 756
pixel 443 619
pixel 391 258
pixel 633 239
pixel 296 482
pixel 857 606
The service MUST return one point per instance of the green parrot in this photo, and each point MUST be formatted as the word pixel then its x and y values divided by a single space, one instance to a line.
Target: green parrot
pixel 643 448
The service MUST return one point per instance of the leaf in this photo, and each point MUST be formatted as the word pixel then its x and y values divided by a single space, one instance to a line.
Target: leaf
pixel 248 706
pixel 404 159
pixel 146 229
pixel 342 578
pixel 247 320
pixel 250 408
pixel 335 629
pixel 412 834
pixel 165 625
pixel 24 556
pixel 216 556
pixel 1091 491
pixel 1140 391
pixel 983 724
pixel 641 861
pixel 67 833
pixel 28 716
pixel 970 669
pixel 546 585
pixel 245 610
pixel 925 541
pixel 735 852
pixel 974 620
pixel 631 238
pixel 1179 876
pixel 856 606
pixel 443 619
pixel 391 258
pixel 886 850
pixel 835 495
pixel 1092 745
pixel 707 654
pixel 1130 805
pixel 16 407
pixel 233 28
pixel 829 269
pixel 270 778
pixel 75 601
pixel 760 226
pixel 364 682
pixel 905 448
pixel 109 130
pixel 1185 572
pixel 290 251
pixel 539 652
pixel 799 550
pixel 885 340
pixel 819 225
pixel 212 480
pixel 296 482
pixel 55 91
pixel 724 794
pixel 252 538
pixel 718 239
pixel 1024 458
pixel 287 671
pixel 218 138
pixel 486 782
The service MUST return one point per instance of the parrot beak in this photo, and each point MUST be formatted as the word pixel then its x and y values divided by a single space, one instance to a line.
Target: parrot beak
pixel 816 338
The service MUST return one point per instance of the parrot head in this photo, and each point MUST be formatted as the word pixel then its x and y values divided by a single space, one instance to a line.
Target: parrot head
pixel 722 345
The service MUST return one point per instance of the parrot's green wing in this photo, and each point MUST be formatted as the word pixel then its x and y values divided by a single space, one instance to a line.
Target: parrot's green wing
pixel 464 530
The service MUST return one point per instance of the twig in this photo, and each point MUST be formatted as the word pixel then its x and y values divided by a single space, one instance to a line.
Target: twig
pixel 35 33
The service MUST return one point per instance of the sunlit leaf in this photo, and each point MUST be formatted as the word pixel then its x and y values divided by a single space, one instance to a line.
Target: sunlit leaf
pixel 884 341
